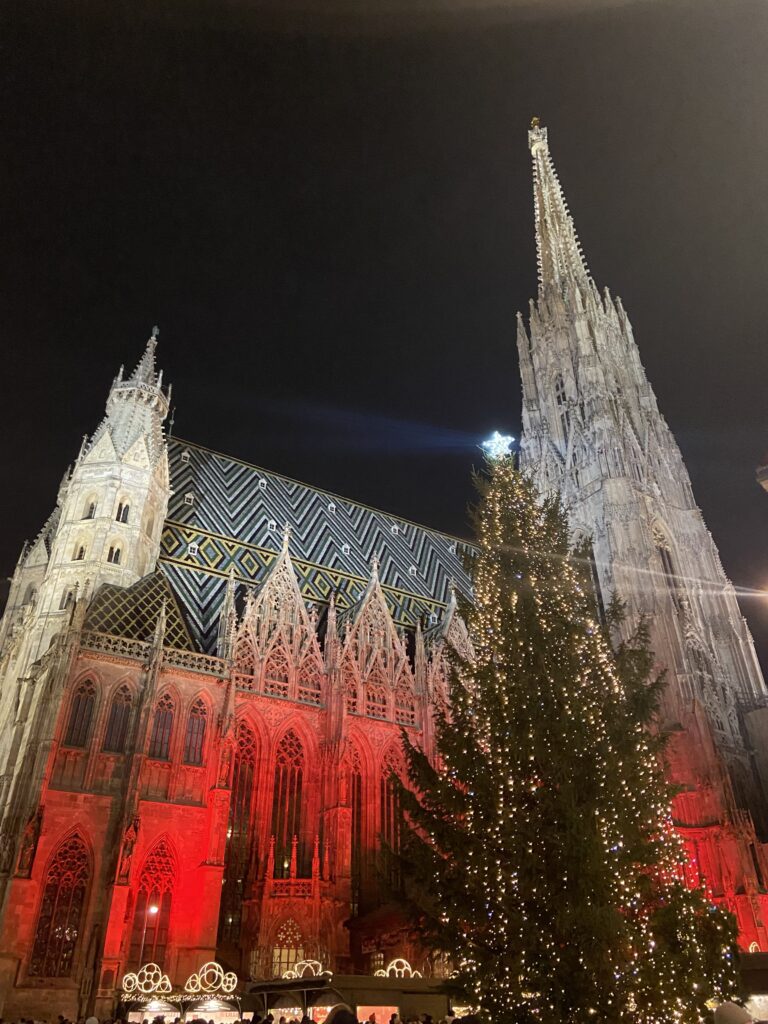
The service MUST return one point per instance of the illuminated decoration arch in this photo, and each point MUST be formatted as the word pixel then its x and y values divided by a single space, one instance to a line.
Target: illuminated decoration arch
pixel 237 856
pixel 149 980
pixel 149 935
pixel 60 917
pixel 397 968
pixel 307 969
pixel 210 980
pixel 286 799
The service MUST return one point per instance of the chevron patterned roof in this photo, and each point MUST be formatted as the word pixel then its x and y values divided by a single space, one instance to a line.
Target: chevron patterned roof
pixel 228 516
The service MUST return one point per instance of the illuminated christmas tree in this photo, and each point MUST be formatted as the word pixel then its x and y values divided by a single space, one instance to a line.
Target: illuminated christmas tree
pixel 542 857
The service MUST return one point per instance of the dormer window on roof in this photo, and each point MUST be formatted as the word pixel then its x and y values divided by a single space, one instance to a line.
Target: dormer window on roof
pixel 189 499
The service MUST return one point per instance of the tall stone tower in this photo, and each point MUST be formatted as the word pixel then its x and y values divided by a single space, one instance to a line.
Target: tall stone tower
pixel 593 431
pixel 106 528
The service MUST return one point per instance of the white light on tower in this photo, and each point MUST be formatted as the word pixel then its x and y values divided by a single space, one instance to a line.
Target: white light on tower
pixel 498 445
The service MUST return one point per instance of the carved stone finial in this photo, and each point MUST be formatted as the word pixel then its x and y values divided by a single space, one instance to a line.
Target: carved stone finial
pixel 155 332
pixel 535 122
pixel 287 530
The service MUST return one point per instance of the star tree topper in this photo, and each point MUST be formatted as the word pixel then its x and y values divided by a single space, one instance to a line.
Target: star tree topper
pixel 498 446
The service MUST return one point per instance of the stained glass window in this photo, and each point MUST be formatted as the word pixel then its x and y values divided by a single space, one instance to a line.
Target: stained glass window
pixel 60 919
pixel 160 740
pixel 286 800
pixel 80 715
pixel 194 741
pixel 119 719
pixel 288 948
pixel 152 914
pixel 390 816
pixel 237 855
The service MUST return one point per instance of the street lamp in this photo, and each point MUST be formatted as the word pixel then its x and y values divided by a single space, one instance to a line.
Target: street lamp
pixel 151 909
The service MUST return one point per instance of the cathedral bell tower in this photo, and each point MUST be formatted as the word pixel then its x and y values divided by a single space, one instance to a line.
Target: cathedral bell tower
pixel 592 430
pixel 108 520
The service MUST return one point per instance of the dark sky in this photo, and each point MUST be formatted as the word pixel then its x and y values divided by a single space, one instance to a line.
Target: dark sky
pixel 327 209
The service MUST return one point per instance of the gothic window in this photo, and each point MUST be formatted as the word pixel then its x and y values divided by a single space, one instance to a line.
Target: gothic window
pixel 113 555
pixel 119 719
pixel 668 568
pixel 288 949
pixel 310 682
pixel 405 705
pixel 351 694
pixel 122 513
pixel 561 401
pixel 160 739
pixel 390 817
pixel 195 738
pixel 245 661
pixel 286 799
pixel 376 697
pixel 80 715
pixel 30 594
pixel 90 510
pixel 237 853
pixel 356 800
pixel 152 915
pixel 79 553
pixel 277 673
pixel 60 918
pixel 67 598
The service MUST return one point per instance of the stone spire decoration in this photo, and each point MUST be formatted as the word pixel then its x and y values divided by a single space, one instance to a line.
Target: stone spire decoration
pixel 109 517
pixel 593 432
pixel 558 249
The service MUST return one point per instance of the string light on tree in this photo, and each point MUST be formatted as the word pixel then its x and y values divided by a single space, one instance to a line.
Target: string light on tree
pixel 542 858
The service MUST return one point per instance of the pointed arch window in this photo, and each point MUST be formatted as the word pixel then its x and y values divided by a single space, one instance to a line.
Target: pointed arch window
pixel 376 697
pixel 67 597
pixel 237 856
pixel 561 401
pixel 351 699
pixel 113 555
pixel 152 915
pixel 277 673
pixel 310 683
pixel 79 553
pixel 81 715
pixel 119 719
pixel 162 726
pixel 286 800
pixel 288 949
pixel 60 919
pixel 123 511
pixel 90 510
pixel 405 705
pixel 390 816
pixel 194 740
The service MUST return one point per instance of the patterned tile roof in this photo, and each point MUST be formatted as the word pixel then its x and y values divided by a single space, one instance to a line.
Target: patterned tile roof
pixel 133 611
pixel 226 516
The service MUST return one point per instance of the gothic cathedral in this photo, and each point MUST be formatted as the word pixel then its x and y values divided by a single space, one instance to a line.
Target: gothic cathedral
pixel 205 667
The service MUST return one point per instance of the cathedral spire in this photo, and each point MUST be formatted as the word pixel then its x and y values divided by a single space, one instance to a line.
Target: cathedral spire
pixel 145 372
pixel 560 258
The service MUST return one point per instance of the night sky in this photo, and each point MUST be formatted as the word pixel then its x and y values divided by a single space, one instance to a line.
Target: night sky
pixel 328 211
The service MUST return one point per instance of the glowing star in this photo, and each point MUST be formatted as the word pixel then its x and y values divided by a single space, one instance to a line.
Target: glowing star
pixel 498 445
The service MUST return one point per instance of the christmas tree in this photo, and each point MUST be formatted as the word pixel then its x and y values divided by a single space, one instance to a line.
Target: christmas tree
pixel 541 856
